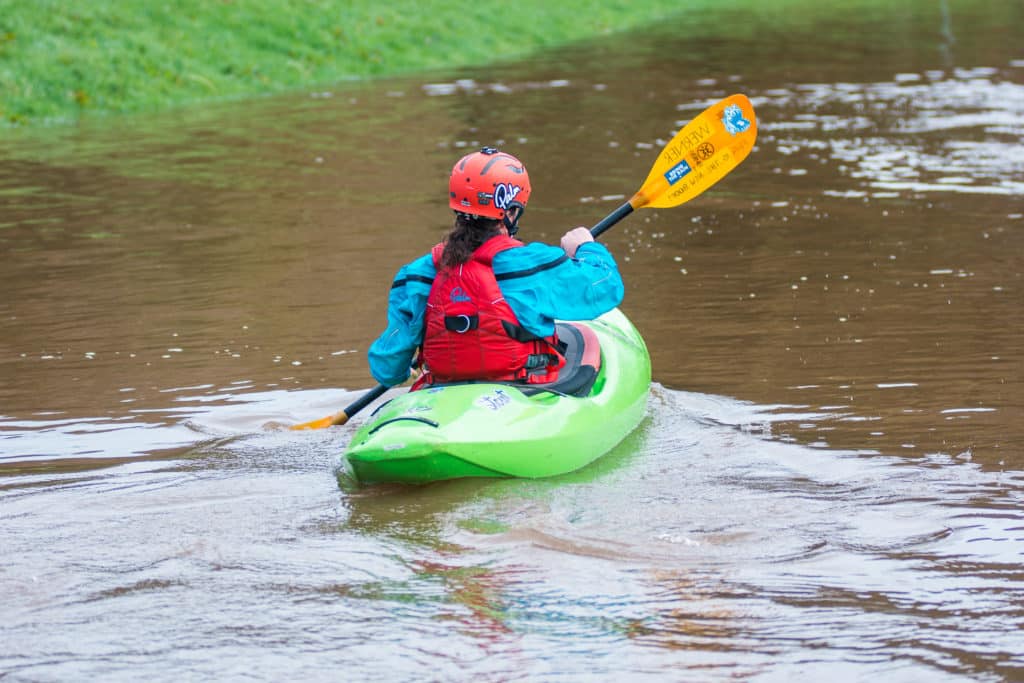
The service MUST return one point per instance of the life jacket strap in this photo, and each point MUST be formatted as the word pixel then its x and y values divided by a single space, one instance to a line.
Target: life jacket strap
pixel 539 361
pixel 521 334
pixel 461 324
pixel 548 351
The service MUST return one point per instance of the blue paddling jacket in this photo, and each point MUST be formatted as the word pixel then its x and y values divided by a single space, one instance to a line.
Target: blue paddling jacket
pixel 540 283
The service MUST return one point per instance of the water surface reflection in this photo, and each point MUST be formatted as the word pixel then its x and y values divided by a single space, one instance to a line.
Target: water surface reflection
pixel 830 476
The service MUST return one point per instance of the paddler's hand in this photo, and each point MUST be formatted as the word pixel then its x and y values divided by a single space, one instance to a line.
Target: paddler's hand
pixel 572 240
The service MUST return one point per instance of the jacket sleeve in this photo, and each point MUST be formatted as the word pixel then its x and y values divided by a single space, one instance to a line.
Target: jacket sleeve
pixel 391 354
pixel 541 284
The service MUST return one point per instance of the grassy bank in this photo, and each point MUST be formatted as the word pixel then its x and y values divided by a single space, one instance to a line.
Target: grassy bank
pixel 60 59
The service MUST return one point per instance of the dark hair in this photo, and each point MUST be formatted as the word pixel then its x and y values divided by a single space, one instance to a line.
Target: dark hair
pixel 466 237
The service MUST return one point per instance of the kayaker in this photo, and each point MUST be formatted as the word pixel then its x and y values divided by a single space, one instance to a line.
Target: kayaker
pixel 481 305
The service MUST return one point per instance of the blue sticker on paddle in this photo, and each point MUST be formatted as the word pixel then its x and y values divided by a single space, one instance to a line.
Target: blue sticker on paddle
pixel 677 172
pixel 733 119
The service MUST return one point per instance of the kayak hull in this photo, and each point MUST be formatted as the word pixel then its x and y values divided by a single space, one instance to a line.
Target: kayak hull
pixel 496 430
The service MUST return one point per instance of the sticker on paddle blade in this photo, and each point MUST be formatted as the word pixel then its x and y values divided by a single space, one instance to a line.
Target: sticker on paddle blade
pixel 700 154
pixel 733 119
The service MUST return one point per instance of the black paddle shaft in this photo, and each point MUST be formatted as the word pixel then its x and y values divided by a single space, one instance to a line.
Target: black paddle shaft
pixel 611 219
pixel 365 400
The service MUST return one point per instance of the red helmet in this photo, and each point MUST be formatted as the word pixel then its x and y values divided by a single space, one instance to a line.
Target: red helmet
pixel 487 182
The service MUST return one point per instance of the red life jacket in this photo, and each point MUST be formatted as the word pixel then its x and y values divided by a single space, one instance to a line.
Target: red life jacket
pixel 470 331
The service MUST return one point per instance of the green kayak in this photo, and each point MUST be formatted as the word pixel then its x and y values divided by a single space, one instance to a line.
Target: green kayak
pixel 513 430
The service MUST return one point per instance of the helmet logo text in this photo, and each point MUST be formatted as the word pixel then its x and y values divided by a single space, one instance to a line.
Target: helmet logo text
pixel 505 194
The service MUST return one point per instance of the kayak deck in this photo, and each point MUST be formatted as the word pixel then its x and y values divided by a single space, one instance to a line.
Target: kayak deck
pixel 507 430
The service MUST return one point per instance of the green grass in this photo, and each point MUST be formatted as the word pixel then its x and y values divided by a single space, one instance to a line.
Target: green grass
pixel 60 59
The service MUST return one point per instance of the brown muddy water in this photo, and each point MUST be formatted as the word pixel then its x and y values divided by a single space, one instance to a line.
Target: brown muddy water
pixel 830 480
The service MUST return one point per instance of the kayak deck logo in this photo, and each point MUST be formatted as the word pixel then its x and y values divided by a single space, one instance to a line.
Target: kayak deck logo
pixel 495 400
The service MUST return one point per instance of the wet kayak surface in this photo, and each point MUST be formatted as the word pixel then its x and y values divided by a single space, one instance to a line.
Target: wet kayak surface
pixel 829 479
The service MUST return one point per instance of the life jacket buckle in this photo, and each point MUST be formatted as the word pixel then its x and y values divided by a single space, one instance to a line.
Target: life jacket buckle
pixel 461 324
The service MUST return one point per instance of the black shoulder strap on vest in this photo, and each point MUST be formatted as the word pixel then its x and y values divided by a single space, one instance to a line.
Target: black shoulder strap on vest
pixel 521 334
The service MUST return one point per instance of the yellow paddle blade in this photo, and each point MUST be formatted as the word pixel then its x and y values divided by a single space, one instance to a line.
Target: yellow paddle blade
pixel 314 424
pixel 324 422
pixel 704 151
